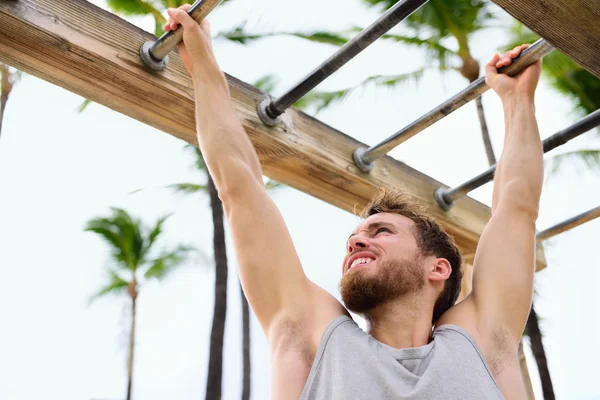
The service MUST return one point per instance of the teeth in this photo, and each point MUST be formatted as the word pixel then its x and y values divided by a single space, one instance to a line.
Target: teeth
pixel 359 261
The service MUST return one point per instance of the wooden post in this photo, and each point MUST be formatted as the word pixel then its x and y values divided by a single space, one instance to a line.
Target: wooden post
pixel 525 373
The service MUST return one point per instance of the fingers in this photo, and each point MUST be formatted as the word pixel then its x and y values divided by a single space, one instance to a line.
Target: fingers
pixel 491 68
pixel 510 55
pixel 179 16
pixel 171 23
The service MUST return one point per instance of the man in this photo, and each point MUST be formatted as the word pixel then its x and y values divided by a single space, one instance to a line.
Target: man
pixel 401 271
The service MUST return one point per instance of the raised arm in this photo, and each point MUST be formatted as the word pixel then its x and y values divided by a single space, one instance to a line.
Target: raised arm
pixel 504 265
pixel 270 270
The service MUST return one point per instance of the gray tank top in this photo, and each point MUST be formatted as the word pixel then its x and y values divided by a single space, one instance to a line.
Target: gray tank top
pixel 351 364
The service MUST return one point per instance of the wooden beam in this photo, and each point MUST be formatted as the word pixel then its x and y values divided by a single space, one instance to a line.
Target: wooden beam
pixel 572 26
pixel 525 373
pixel 94 53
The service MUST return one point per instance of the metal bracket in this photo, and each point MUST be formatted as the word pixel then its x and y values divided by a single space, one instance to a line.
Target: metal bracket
pixel 439 197
pixel 150 60
pixel 263 113
pixel 358 156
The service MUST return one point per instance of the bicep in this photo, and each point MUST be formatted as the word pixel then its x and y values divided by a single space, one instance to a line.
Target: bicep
pixel 269 267
pixel 504 269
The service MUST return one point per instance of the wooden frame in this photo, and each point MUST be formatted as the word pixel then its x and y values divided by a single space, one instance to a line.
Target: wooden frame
pixel 94 53
pixel 569 25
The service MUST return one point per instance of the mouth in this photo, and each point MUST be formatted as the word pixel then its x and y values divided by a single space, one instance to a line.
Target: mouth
pixel 360 260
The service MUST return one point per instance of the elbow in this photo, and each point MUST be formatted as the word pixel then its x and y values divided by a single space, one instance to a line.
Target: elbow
pixel 522 197
pixel 234 188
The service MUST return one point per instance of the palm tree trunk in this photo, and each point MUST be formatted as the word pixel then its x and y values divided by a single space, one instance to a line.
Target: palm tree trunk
pixel 215 362
pixel 131 347
pixel 3 100
pixel 245 346
pixel 485 133
pixel 6 87
pixel 537 347
pixel 470 70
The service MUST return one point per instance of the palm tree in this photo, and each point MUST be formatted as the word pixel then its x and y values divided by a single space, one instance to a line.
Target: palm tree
pixel 8 79
pixel 215 366
pixel 135 261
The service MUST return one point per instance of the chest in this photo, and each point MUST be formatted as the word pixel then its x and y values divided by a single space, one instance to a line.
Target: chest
pixel 354 365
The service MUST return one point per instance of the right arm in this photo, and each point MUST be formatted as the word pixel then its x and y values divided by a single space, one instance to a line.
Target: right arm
pixel 270 269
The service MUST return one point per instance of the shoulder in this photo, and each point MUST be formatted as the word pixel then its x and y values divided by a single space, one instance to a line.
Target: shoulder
pixel 493 340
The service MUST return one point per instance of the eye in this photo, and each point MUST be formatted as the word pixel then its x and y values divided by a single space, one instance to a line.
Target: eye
pixel 382 229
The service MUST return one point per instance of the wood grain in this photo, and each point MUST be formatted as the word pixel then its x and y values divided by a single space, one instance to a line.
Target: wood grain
pixel 572 26
pixel 94 53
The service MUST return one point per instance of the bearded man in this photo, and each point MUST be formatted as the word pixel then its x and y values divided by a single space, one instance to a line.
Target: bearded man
pixel 401 271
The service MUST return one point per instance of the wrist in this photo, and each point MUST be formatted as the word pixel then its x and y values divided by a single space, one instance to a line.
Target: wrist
pixel 518 101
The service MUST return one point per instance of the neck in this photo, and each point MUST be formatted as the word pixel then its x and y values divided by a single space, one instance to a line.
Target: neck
pixel 402 323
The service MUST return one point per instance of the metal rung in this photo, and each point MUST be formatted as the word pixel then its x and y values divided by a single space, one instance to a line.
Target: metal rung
pixel 446 196
pixel 364 157
pixel 269 110
pixel 569 224
pixel 155 54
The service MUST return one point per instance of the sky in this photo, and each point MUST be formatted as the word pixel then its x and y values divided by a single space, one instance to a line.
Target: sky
pixel 58 169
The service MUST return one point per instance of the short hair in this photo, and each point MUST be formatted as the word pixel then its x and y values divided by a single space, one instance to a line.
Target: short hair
pixel 432 240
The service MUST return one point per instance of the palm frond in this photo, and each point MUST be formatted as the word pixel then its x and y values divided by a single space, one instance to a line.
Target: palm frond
pixel 588 158
pixel 434 50
pixel 199 164
pixel 123 235
pixel 153 235
pixel 115 285
pixel 239 35
pixel 266 83
pixel 325 37
pixel 271 184
pixel 81 108
pixel 166 263
pixel 450 17
pixel 188 188
pixel 104 228
pixel 321 100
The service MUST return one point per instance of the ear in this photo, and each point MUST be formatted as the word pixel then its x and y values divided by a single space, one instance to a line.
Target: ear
pixel 440 270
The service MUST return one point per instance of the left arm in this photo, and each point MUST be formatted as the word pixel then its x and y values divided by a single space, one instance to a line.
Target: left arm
pixel 497 309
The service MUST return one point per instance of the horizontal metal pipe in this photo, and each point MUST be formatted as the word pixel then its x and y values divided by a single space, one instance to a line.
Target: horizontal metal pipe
pixel 530 55
pixel 387 21
pixel 569 224
pixel 167 42
pixel 155 54
pixel 447 196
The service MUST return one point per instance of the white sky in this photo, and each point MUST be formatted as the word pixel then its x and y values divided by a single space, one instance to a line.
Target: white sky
pixel 58 169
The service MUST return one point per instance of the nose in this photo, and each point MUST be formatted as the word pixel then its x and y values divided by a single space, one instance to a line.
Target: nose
pixel 357 242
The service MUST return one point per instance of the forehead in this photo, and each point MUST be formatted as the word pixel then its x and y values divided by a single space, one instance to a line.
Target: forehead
pixel 398 221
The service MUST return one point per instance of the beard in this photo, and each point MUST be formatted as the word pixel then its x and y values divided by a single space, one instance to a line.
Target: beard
pixel 362 291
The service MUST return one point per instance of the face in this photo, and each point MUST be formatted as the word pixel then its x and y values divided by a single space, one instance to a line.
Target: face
pixel 382 263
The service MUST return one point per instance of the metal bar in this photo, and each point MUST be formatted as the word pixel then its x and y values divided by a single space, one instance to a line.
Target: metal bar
pixel 446 196
pixel 270 109
pixel 155 54
pixel 569 224
pixel 364 157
